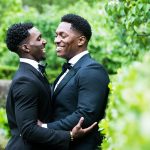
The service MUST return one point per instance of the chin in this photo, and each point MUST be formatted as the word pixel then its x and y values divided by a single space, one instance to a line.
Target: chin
pixel 60 55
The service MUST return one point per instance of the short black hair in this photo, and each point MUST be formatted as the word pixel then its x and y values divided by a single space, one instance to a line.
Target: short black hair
pixel 78 23
pixel 16 33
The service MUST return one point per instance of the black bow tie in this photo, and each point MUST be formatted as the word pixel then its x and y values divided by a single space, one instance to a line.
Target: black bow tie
pixel 42 67
pixel 66 66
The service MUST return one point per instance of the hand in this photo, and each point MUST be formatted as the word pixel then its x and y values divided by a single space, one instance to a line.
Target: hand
pixel 78 131
pixel 39 123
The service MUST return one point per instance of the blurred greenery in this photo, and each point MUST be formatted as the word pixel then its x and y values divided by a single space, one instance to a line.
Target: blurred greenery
pixel 4 129
pixel 127 124
pixel 121 36
pixel 6 72
pixel 114 42
pixel 3 122
pixel 60 4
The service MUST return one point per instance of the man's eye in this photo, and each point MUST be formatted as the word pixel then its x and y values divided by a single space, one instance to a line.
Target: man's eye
pixel 63 36
pixel 39 38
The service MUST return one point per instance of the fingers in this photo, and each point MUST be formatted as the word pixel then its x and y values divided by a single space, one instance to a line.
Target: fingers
pixel 39 123
pixel 90 127
pixel 80 122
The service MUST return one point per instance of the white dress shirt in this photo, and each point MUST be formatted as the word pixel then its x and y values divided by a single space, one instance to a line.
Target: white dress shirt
pixel 31 62
pixel 72 61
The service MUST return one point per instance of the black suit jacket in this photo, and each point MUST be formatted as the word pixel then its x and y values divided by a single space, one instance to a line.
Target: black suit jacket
pixel 82 92
pixel 29 99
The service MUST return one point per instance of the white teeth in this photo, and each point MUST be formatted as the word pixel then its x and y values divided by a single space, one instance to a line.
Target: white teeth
pixel 43 50
pixel 59 48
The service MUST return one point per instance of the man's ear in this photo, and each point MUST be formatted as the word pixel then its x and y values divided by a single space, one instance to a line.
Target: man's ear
pixel 25 48
pixel 82 40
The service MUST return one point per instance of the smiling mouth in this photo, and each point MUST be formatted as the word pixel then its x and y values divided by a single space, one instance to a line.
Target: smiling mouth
pixel 43 50
pixel 59 48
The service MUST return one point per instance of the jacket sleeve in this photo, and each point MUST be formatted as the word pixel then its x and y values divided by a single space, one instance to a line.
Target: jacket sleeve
pixel 26 95
pixel 92 98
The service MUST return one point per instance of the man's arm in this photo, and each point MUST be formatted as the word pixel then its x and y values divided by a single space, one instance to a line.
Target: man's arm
pixel 92 98
pixel 78 131
pixel 26 117
pixel 25 94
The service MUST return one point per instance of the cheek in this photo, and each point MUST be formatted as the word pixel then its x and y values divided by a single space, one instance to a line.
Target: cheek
pixel 63 52
pixel 72 47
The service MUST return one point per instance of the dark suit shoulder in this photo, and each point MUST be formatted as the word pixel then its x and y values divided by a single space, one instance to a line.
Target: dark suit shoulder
pixel 26 79
pixel 26 71
pixel 92 71
pixel 90 63
pixel 23 79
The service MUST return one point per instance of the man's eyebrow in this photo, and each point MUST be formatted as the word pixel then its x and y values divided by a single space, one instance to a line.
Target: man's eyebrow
pixel 40 35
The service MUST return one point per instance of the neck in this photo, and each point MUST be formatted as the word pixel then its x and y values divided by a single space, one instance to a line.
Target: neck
pixel 29 57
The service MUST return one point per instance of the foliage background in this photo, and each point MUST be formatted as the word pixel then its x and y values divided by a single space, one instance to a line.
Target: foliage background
pixel 121 36
pixel 120 29
pixel 127 124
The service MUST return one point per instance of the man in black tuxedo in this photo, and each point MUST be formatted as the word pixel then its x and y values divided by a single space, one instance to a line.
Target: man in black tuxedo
pixel 82 87
pixel 29 97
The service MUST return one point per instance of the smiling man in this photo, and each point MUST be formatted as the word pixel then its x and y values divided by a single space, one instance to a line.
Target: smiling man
pixel 29 97
pixel 82 88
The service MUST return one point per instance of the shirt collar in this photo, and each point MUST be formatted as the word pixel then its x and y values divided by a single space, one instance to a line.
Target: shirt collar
pixel 30 61
pixel 74 59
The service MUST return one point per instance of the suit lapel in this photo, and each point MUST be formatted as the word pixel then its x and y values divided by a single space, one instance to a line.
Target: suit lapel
pixel 65 80
pixel 30 68
pixel 70 74
pixel 43 79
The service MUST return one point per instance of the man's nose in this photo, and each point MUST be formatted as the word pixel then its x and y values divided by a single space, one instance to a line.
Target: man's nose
pixel 57 39
pixel 44 41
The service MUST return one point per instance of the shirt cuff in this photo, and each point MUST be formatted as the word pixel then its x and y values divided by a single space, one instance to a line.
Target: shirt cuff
pixel 44 125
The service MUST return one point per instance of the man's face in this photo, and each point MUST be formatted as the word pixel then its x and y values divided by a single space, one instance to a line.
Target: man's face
pixel 66 41
pixel 36 45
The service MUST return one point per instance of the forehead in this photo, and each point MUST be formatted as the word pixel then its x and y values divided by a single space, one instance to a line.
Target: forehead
pixel 34 32
pixel 65 27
